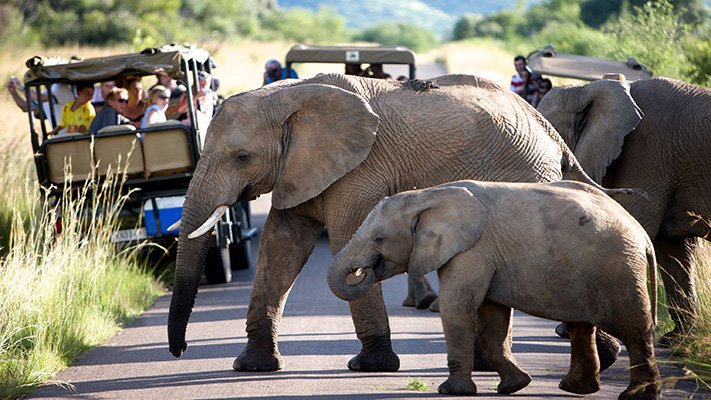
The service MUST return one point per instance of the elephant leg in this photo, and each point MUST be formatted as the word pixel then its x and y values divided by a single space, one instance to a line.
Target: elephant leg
pixel 584 374
pixel 419 293
pixel 459 323
pixel 676 259
pixel 279 262
pixel 371 323
pixel 494 332
pixel 608 350
pixel 645 380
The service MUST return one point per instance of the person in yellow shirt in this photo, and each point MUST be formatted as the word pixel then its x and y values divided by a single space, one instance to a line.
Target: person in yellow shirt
pixel 77 114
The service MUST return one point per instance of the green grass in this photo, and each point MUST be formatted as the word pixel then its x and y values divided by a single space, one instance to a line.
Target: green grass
pixel 417 385
pixel 695 349
pixel 60 294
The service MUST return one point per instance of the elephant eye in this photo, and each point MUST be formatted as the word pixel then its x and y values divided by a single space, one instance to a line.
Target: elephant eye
pixel 378 240
pixel 242 158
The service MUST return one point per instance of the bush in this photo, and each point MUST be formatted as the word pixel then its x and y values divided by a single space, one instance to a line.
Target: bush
pixel 399 34
pixel 652 34
pixel 571 37
pixel 301 25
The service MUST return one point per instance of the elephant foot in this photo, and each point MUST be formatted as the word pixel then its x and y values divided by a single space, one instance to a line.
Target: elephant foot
pixel 649 391
pixel 608 349
pixel 434 307
pixel 671 338
pixel 562 331
pixel 253 359
pixel 420 302
pixel 461 387
pixel 481 364
pixel 514 383
pixel 375 361
pixel 419 293
pixel 583 385
pixel 425 301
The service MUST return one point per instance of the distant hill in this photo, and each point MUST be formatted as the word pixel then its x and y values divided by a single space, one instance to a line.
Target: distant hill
pixel 438 16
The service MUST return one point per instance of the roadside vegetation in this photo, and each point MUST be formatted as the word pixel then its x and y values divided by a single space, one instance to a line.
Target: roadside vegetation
pixel 62 294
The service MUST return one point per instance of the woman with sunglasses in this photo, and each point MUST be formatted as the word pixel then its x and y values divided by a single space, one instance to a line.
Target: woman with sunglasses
pixel 116 99
pixel 157 104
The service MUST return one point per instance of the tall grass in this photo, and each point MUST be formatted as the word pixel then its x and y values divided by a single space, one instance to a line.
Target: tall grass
pixel 695 348
pixel 61 293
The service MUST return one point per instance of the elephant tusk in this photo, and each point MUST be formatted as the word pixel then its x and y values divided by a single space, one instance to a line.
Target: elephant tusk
pixel 175 226
pixel 210 223
pixel 356 277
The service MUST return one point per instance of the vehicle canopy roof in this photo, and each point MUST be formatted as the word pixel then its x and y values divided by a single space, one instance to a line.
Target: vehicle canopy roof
pixel 547 62
pixel 165 59
pixel 350 54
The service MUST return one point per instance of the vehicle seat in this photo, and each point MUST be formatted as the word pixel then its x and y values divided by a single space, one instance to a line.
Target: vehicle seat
pixel 167 149
pixel 75 148
pixel 117 151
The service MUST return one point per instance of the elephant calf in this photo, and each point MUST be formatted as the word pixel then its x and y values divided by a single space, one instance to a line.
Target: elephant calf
pixel 563 251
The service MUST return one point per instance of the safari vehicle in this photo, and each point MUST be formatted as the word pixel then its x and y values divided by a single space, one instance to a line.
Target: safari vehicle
pixel 158 161
pixel 353 55
pixel 547 61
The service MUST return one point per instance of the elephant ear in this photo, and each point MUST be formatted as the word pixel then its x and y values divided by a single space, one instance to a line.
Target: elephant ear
pixel 328 132
pixel 593 120
pixel 451 220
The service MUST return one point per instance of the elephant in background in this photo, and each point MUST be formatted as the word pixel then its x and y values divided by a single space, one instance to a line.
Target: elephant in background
pixel 655 135
pixel 329 148
pixel 554 250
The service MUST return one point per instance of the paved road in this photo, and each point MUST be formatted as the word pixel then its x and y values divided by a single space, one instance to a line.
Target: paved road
pixel 316 339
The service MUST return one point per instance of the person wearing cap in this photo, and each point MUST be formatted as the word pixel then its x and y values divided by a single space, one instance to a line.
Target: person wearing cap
pixel 273 71
pixel 206 97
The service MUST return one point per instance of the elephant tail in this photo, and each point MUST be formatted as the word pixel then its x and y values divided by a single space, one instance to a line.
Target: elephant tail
pixel 652 264
pixel 572 170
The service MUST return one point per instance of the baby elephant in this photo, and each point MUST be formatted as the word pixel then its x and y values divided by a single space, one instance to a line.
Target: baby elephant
pixel 563 251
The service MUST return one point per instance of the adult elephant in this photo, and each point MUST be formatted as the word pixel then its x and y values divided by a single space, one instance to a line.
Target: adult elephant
pixel 653 134
pixel 329 148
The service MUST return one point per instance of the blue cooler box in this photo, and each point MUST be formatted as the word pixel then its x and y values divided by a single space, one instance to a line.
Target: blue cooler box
pixel 169 211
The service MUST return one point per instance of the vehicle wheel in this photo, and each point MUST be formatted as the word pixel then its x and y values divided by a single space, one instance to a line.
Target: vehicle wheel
pixel 241 255
pixel 217 266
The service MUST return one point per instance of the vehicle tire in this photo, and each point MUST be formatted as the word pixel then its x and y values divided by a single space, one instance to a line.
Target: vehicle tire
pixel 241 255
pixel 218 268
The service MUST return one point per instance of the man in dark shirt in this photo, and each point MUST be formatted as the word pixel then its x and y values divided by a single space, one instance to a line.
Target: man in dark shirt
pixel 116 100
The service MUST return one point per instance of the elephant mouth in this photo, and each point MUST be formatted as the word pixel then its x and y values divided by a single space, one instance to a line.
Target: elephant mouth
pixel 372 273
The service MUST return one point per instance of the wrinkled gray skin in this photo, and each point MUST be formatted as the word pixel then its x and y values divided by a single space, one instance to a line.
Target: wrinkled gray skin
pixel 532 246
pixel 329 148
pixel 655 135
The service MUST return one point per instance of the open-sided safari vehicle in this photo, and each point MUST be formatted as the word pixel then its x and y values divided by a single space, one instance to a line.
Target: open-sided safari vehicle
pixel 158 160
pixel 354 55
pixel 547 61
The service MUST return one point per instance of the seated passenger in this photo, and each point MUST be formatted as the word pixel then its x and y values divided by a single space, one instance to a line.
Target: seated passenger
pixel 206 97
pixel 136 107
pixel 273 71
pixel 99 100
pixel 116 101
pixel 61 94
pixel 157 105
pixel 376 71
pixel 354 69
pixel 78 113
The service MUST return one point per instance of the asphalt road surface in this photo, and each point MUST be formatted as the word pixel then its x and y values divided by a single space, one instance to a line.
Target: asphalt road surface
pixel 316 340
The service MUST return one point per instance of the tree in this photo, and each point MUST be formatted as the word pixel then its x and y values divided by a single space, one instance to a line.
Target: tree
pixel 653 34
pixel 399 34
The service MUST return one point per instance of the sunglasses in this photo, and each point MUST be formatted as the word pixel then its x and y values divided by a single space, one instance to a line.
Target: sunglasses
pixel 163 97
pixel 122 100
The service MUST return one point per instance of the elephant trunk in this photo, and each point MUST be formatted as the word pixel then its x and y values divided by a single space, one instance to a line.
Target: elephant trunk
pixel 350 276
pixel 200 202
